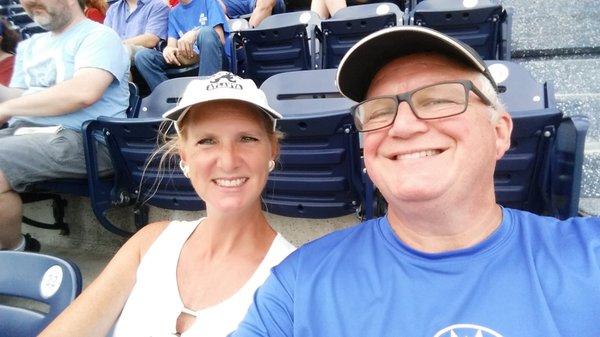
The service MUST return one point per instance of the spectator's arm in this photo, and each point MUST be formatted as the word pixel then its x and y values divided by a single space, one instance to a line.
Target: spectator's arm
pixel 147 40
pixel 85 88
pixel 261 11
pixel 96 310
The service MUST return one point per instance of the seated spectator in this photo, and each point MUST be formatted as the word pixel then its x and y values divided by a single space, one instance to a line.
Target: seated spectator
pixel 196 36
pixel 328 8
pixel 8 42
pixel 141 24
pixel 49 98
pixel 196 278
pixel 95 10
pixel 258 9
pixel 446 260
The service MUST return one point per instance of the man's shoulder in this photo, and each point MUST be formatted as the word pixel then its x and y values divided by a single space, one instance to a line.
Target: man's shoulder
pixel 340 242
pixel 554 233
pixel 157 5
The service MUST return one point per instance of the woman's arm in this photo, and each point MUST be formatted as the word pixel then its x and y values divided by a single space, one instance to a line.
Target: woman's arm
pixel 95 311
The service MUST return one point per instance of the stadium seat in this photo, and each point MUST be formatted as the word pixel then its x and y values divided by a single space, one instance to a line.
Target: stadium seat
pixel 165 96
pixel 130 143
pixel 137 182
pixel 45 280
pixel 280 43
pixel 319 171
pixel 348 25
pixel 484 25
pixel 134 101
pixel 30 29
pixel 541 172
pixel 20 19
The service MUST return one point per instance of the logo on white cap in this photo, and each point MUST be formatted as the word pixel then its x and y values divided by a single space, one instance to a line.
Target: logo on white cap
pixel 223 80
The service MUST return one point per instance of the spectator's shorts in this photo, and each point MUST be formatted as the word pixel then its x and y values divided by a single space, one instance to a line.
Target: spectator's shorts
pixel 29 158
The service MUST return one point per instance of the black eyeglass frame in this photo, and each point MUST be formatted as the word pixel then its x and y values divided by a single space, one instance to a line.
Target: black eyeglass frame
pixel 407 97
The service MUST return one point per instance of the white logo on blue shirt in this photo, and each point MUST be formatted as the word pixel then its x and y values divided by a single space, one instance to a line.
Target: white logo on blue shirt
pixel 466 330
pixel 202 19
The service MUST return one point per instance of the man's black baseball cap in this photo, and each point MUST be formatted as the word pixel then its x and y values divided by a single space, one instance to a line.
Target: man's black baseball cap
pixel 369 55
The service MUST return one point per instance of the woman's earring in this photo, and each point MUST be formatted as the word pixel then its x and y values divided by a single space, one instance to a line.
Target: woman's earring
pixel 271 165
pixel 184 168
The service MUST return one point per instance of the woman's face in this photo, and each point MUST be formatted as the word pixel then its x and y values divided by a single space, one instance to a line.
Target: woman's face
pixel 228 149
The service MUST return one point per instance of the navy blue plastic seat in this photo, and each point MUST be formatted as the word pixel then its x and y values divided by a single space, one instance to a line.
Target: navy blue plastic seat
pixel 137 182
pixel 130 143
pixel 280 43
pixel 44 279
pixel 484 25
pixel 30 29
pixel 319 171
pixel 165 96
pixel 541 172
pixel 349 25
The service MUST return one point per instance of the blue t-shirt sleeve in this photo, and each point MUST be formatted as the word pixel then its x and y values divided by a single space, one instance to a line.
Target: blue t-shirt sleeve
pixel 18 76
pixel 157 20
pixel 215 15
pixel 272 312
pixel 103 49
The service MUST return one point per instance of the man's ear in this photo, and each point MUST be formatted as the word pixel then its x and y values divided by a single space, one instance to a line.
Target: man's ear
pixel 503 129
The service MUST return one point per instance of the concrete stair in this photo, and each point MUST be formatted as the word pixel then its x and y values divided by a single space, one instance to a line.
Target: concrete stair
pixel 559 41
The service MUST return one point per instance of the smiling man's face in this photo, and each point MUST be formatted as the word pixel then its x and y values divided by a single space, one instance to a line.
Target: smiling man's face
pixel 419 160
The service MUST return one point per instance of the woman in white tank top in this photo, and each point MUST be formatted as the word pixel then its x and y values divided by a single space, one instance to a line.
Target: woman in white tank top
pixel 195 278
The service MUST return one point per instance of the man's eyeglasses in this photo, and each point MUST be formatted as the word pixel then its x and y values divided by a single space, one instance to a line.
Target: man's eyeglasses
pixel 430 102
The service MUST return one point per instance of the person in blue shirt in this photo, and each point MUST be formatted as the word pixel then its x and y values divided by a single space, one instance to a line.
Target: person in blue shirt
pixel 139 23
pixel 196 35
pixel 75 72
pixel 257 9
pixel 446 260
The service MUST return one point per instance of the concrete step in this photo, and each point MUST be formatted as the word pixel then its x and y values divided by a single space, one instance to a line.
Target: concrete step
pixel 590 180
pixel 560 27
pixel 590 206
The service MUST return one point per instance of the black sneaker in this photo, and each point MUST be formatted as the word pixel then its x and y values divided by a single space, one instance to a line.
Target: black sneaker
pixel 31 244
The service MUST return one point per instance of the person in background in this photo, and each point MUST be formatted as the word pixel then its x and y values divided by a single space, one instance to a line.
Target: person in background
pixel 141 24
pixel 196 36
pixel 195 278
pixel 8 43
pixel 95 10
pixel 74 72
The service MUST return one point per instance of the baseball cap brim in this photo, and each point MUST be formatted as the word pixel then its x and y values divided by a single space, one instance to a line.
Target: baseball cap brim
pixel 369 55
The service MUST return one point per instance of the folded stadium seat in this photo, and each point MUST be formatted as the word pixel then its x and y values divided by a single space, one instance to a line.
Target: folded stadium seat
pixel 130 143
pixel 541 172
pixel 46 280
pixel 319 171
pixel 348 25
pixel 280 43
pixel 52 189
pixel 482 24
pixel 30 29
pixel 20 19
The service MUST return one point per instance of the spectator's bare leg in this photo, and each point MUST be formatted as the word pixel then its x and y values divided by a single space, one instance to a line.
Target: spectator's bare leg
pixel 327 8
pixel 10 216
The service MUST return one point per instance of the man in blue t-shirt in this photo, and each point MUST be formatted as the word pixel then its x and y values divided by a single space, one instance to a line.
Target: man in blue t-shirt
pixel 75 72
pixel 196 34
pixel 446 260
